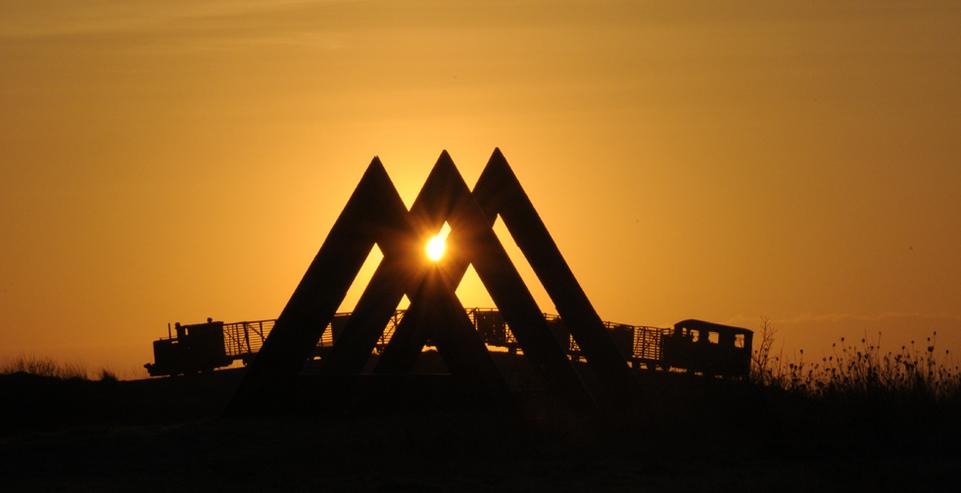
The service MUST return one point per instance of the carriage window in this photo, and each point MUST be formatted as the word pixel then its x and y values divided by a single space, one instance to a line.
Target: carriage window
pixel 695 335
pixel 713 337
pixel 739 340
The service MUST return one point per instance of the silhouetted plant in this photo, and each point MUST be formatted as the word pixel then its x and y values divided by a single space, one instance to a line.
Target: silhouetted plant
pixel 762 370
pixel 863 369
pixel 44 367
pixel 107 375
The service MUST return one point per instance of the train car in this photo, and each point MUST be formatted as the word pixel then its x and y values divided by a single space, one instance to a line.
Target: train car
pixel 337 326
pixel 707 348
pixel 195 348
pixel 692 345
pixel 490 325
pixel 563 336
pixel 623 336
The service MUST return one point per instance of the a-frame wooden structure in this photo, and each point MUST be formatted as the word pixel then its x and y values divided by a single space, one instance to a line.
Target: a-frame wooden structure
pixel 375 214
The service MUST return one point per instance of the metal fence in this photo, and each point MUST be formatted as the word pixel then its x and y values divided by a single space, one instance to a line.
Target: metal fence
pixel 244 339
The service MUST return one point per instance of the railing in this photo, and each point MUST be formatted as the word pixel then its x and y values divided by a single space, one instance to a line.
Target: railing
pixel 648 343
pixel 389 331
pixel 244 339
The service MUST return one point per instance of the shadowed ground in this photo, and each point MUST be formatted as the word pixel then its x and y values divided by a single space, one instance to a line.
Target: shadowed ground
pixel 425 434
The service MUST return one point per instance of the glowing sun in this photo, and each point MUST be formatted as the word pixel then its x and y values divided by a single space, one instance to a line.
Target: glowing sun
pixel 436 247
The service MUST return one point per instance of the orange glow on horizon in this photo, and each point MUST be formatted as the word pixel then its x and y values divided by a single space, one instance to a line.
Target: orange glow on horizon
pixel 162 165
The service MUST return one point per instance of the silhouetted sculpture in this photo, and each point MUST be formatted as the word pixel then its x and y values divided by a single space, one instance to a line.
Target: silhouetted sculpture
pixel 375 214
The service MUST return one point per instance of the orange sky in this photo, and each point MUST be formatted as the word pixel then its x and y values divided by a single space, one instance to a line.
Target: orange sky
pixel 165 161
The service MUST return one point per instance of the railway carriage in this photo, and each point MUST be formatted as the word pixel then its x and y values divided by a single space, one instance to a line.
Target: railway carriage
pixel 692 345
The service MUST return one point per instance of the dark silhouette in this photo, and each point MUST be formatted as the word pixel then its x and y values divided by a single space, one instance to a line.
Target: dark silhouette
pixel 709 348
pixel 196 348
pixel 867 420
pixel 644 347
pixel 375 213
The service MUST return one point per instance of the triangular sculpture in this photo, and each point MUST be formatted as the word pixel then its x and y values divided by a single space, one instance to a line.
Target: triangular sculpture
pixel 375 214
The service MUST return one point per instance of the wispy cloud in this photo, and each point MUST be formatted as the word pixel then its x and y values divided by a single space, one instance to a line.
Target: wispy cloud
pixel 37 20
pixel 836 318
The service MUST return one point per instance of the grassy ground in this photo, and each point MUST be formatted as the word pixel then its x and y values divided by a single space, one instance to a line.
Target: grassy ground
pixel 687 434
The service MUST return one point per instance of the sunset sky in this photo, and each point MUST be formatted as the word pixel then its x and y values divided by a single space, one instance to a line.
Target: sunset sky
pixel 731 161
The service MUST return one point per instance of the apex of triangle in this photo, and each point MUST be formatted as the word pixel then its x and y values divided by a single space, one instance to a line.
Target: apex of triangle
pixel 375 168
pixel 445 160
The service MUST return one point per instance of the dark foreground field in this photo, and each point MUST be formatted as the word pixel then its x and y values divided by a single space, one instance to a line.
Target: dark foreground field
pixel 424 434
